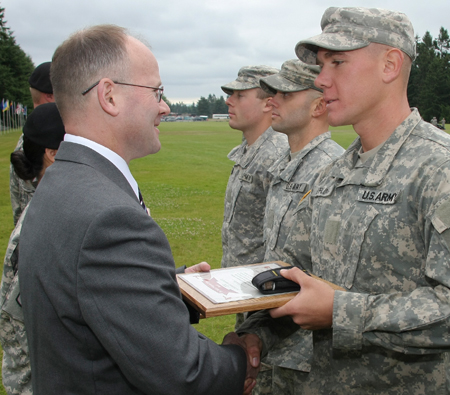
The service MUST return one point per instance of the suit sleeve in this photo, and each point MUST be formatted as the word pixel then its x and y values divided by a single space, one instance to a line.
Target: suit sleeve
pixel 129 297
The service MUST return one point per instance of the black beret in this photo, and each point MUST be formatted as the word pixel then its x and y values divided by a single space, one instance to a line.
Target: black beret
pixel 40 78
pixel 44 126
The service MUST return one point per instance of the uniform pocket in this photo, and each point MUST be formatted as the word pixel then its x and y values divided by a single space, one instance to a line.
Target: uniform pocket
pixel 350 241
pixel 230 201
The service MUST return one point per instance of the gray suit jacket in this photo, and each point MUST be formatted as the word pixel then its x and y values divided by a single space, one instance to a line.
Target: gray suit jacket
pixel 102 308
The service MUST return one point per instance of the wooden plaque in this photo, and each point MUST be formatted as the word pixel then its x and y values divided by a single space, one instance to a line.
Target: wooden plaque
pixel 209 309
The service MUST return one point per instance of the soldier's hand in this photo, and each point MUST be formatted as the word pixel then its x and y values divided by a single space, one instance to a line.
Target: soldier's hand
pixel 199 267
pixel 312 307
pixel 252 345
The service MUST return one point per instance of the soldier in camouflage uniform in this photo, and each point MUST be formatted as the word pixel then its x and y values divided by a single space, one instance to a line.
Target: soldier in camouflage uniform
pixel 380 219
pixel 43 133
pixel 22 191
pixel 245 198
pixel 299 111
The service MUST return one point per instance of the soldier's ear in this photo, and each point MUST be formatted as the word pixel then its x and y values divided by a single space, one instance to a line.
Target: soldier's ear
pixel 393 62
pixel 318 107
pixel 267 106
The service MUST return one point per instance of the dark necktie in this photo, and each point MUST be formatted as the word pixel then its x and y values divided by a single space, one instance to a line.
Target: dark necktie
pixel 141 200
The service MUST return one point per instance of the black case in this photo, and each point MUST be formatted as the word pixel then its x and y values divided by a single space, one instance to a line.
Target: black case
pixel 272 282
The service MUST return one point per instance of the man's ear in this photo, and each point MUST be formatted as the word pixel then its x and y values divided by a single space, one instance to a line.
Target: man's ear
pixel 267 106
pixel 393 61
pixel 107 96
pixel 318 107
pixel 49 98
pixel 50 154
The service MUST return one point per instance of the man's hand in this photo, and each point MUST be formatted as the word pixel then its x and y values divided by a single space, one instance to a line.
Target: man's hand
pixel 199 267
pixel 312 307
pixel 252 345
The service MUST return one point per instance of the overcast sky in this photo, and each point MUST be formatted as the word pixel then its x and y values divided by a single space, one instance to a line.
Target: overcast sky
pixel 200 44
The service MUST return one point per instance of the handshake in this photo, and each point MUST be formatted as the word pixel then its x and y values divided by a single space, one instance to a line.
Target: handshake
pixel 252 346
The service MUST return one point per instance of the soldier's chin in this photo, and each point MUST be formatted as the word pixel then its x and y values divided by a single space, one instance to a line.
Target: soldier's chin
pixel 233 124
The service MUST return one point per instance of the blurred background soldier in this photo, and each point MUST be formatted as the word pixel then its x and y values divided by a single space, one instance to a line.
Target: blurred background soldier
pixel 42 134
pixel 41 92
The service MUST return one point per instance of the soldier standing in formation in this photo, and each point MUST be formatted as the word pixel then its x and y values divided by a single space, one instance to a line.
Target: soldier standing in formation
pixel 299 111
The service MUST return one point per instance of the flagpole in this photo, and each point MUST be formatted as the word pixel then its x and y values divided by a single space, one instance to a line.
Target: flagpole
pixel 2 118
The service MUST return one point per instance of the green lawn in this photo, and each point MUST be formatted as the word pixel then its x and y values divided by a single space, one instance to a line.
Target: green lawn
pixel 183 185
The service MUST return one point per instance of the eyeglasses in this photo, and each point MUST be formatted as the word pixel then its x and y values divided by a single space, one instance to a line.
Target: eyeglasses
pixel 159 91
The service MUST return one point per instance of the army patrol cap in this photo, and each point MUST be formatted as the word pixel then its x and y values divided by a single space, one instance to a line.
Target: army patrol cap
pixel 295 76
pixel 350 28
pixel 44 126
pixel 40 78
pixel 248 78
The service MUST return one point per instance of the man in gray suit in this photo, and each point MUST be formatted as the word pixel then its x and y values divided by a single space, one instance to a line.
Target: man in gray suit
pixel 103 310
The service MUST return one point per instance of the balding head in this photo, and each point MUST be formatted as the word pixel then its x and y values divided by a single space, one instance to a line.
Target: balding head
pixel 83 59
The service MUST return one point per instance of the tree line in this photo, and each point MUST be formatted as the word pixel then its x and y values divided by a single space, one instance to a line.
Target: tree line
pixel 15 67
pixel 429 82
pixel 204 106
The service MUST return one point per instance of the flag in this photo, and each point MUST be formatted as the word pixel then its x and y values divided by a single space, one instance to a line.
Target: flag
pixel 5 105
pixel 24 110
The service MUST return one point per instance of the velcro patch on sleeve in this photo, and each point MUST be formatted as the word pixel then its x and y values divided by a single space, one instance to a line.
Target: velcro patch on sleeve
pixel 441 218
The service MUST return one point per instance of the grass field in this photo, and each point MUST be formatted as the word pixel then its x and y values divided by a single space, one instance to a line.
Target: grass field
pixel 184 187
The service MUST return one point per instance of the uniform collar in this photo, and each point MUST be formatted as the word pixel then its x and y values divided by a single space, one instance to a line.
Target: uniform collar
pixel 375 169
pixel 285 169
pixel 243 154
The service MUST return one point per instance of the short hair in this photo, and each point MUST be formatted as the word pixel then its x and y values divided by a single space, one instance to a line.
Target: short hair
pixel 35 96
pixel 314 94
pixel 84 58
pixel 262 94
pixel 376 48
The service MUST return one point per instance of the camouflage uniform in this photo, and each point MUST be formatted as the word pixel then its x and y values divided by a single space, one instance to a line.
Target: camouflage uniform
pixel 245 198
pixel 292 176
pixel 292 179
pixel 381 230
pixel 21 191
pixel 16 369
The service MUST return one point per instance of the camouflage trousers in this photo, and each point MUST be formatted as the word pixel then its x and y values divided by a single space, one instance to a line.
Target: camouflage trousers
pixel 264 381
pixel 16 369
